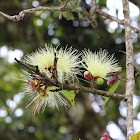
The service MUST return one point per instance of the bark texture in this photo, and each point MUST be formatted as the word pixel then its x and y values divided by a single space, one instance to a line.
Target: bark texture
pixel 91 15
pixel 129 70
pixel 67 86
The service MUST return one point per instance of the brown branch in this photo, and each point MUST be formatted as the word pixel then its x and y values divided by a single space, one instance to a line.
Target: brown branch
pixel 66 3
pixel 55 68
pixel 117 20
pixel 42 75
pixel 99 11
pixel 63 86
pixel 93 14
pixel 129 69
pixel 62 8
pixel 136 69
pixel 124 80
pixel 21 15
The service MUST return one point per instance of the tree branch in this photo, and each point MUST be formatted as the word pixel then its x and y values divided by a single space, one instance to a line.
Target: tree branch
pixel 117 20
pixel 55 68
pixel 99 11
pixel 129 69
pixel 136 69
pixel 21 15
pixel 93 14
pixel 64 7
pixel 42 76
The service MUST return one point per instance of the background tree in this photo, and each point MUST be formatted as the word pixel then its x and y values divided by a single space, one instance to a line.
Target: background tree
pixel 87 122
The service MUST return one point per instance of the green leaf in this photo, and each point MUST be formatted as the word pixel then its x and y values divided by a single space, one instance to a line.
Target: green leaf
pixel 70 95
pixel 68 15
pixel 102 3
pixel 77 10
pixel 73 3
pixel 122 51
pixel 111 90
pixel 138 73
pixel 80 16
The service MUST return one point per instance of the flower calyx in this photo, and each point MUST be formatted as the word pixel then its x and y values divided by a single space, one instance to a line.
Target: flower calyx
pixel 88 75
pixel 115 76
pixel 111 81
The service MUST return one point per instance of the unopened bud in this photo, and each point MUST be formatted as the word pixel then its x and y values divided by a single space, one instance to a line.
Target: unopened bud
pixel 111 74
pixel 87 75
pixel 99 81
pixel 111 81
pixel 106 135
pixel 119 70
pixel 103 138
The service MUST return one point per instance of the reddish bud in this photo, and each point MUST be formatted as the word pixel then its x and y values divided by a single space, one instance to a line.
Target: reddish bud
pixel 106 135
pixel 50 68
pixel 103 138
pixel 111 74
pixel 87 75
pixel 111 81
pixel 95 78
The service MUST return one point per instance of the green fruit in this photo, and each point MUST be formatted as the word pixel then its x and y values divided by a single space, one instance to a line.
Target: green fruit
pixel 99 81
pixel 119 70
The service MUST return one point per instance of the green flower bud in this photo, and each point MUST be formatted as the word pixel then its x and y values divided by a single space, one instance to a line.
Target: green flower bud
pixel 119 70
pixel 99 81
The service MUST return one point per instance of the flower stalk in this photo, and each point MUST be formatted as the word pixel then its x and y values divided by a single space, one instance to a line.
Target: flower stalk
pixel 42 76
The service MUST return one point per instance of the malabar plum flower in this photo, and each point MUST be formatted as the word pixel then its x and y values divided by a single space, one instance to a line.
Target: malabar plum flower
pixel 99 64
pixel 68 63
pixel 44 93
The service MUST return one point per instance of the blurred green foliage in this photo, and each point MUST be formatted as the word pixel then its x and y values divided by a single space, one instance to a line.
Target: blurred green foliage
pixel 33 32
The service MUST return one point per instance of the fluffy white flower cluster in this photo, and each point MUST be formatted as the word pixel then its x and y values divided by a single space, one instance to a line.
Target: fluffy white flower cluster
pixel 43 93
pixel 99 64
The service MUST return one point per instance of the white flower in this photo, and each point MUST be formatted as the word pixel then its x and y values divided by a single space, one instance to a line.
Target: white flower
pixel 67 65
pixel 43 58
pixel 44 93
pixel 99 63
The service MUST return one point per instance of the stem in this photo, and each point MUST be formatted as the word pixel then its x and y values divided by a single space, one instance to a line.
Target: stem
pixel 62 86
pixel 93 82
pixel 116 76
pixel 62 8
pixel 55 68
pixel 93 14
pixel 129 70
pixel 121 79
pixel 124 80
pixel 99 11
